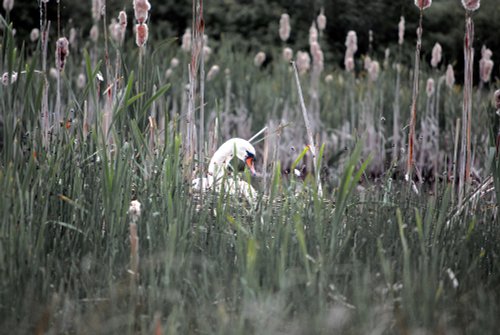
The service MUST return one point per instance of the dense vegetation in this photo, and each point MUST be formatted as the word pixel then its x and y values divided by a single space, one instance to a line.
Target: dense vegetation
pixel 372 254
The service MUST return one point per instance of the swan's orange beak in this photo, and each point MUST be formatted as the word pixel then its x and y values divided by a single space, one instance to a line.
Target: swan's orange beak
pixel 250 163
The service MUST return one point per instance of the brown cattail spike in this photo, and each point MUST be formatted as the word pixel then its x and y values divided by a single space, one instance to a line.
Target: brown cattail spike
pixel 62 52
pixel 141 34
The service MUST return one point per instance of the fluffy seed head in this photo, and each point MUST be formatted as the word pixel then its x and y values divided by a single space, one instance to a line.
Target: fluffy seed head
pixel 72 36
pixel 141 34
pixel 313 34
pixel 349 64
pixel 287 54
pixel 122 21
pixel 351 42
pixel 141 9
pixel 134 210
pixel 497 99
pixel 62 52
pixel 423 4
pixel 485 68
pixel 471 5
pixel 94 33
pixel 485 64
pixel 328 78
pixel 207 51
pixel 317 56
pixel 303 62
pixel 174 62
pixel 401 30
pixel 437 53
pixel 34 35
pixel 81 81
pixel 285 29
pixel 186 40
pixel 450 76
pixel 321 20
pixel 7 80
pixel 367 63
pixel 374 70
pixel 97 9
pixel 8 5
pixel 168 73
pixel 212 73
pixel 259 59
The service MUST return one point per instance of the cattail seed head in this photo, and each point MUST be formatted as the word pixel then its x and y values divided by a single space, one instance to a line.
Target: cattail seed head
pixel 212 73
pixel 351 42
pixel 72 37
pixel 174 62
pixel 317 56
pixel 34 35
pixel 287 54
pixel 53 73
pixel 401 30
pixel 97 9
pixel 134 210
pixel 62 52
pixel 485 69
pixel 8 5
pixel 81 81
pixel 115 31
pixel 285 29
pixel 423 4
pixel 374 70
pixel 168 73
pixel 496 97
pixel 471 5
pixel 313 34
pixel 437 52
pixel 122 21
pixel 186 40
pixel 450 76
pixel 430 88
pixel 141 34
pixel 259 59
pixel 328 78
pixel 141 9
pixel 349 64
pixel 321 20
pixel 207 51
pixel 9 79
pixel 387 55
pixel 485 64
pixel 94 33
pixel 303 62
pixel 367 63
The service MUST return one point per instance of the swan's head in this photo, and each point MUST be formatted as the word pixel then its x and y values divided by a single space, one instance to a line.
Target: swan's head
pixel 235 146
pixel 245 152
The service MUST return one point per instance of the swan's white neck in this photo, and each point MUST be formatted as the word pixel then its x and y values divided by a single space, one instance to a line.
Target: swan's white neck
pixel 222 157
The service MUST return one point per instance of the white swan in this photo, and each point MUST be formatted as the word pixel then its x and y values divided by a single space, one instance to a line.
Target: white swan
pixel 218 166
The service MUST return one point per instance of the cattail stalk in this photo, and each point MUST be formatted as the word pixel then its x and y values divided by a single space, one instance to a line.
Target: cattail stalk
pixel 310 136
pixel 465 163
pixel 45 118
pixel 415 93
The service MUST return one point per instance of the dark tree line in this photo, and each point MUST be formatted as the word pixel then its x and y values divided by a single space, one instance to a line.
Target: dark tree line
pixel 253 24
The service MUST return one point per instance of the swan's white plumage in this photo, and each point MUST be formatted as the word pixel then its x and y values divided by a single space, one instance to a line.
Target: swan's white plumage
pixel 218 165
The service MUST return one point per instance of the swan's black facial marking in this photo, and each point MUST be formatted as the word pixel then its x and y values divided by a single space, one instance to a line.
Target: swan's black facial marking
pixel 250 155
pixel 250 160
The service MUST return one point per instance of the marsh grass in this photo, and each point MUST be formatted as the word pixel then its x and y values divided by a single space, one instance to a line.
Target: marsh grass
pixel 369 256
